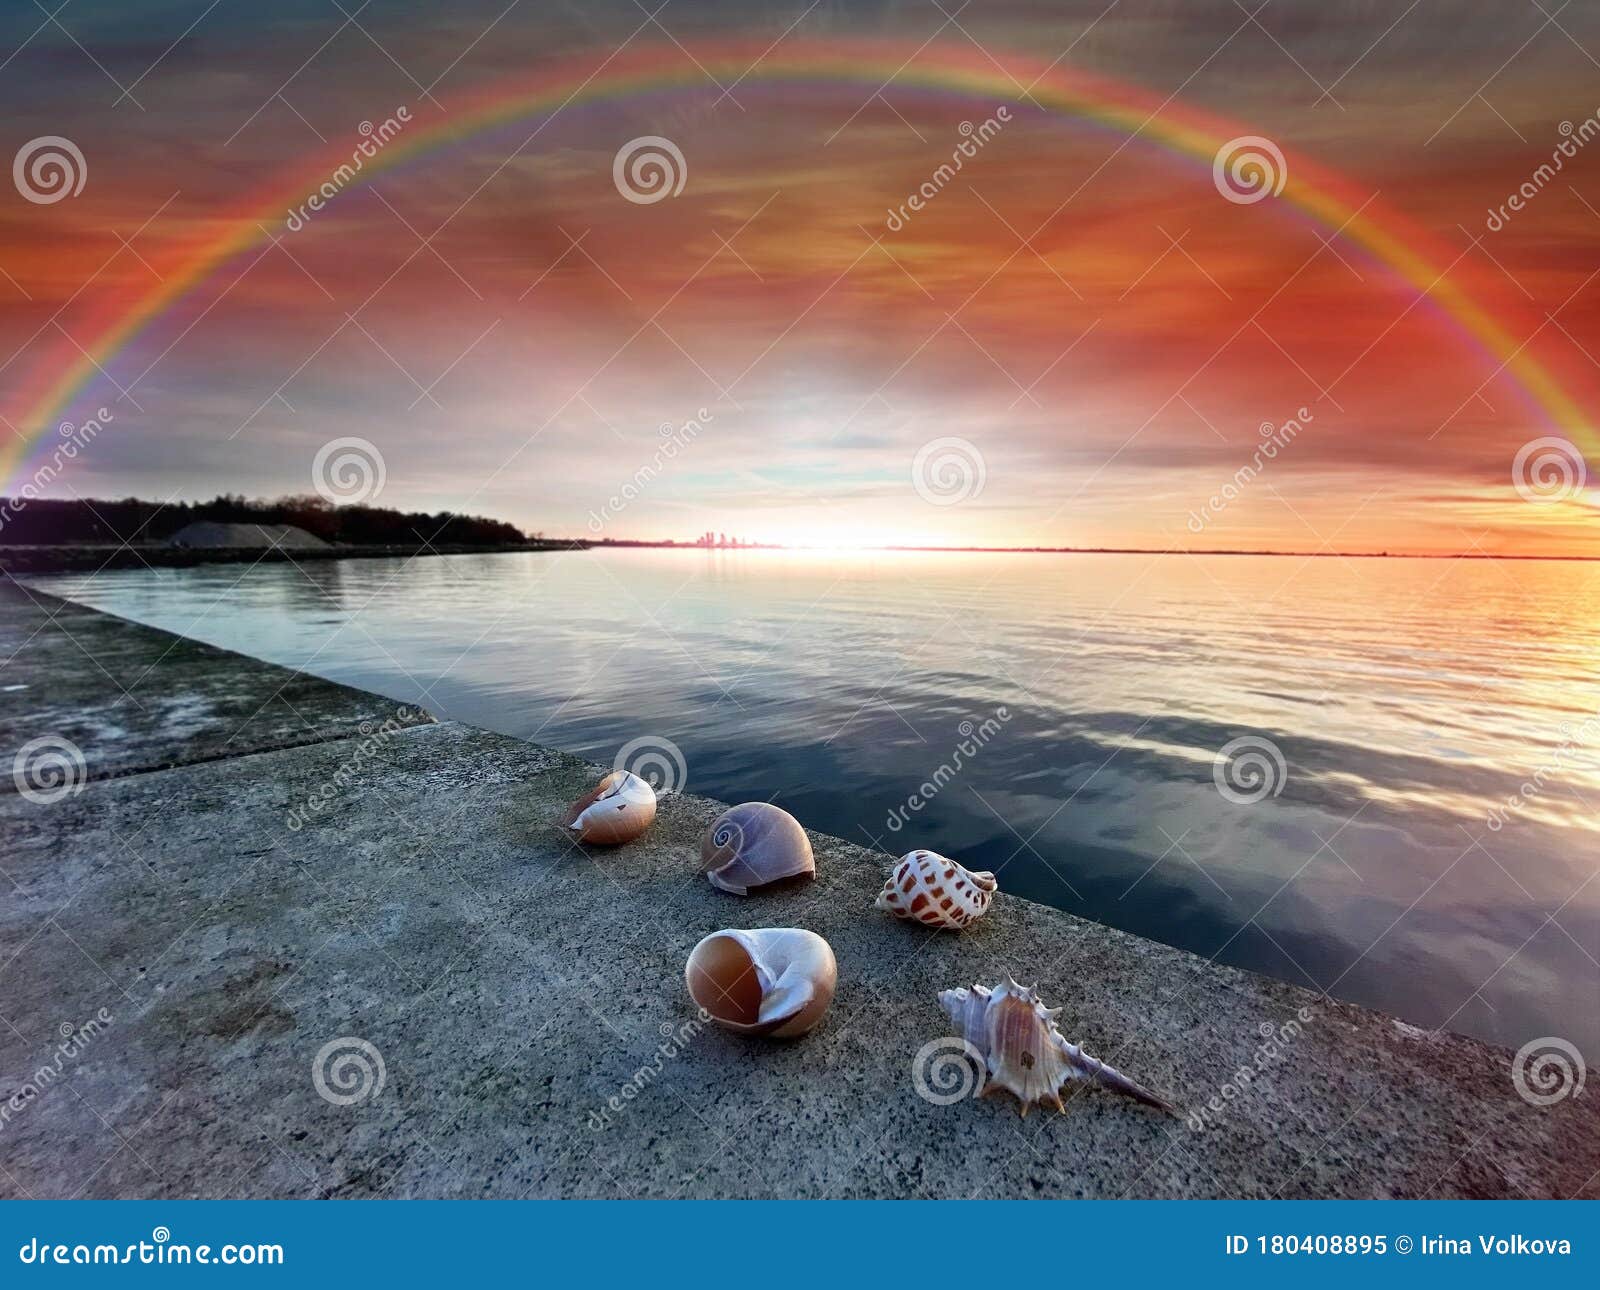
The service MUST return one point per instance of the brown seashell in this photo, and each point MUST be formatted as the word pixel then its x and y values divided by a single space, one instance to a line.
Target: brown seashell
pixel 1010 1031
pixel 754 844
pixel 925 887
pixel 775 981
pixel 618 809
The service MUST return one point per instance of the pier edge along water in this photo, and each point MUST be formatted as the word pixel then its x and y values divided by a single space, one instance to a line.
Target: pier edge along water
pixel 438 916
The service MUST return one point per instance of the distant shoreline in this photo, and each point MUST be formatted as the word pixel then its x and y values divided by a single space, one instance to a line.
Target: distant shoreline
pixel 1093 550
pixel 92 558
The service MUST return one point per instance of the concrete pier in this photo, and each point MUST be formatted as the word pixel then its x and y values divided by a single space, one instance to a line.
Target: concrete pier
pixel 254 869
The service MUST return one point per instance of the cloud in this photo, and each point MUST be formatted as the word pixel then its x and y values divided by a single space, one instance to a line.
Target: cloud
pixel 1082 306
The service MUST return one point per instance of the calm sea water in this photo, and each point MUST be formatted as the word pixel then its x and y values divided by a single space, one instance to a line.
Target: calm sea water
pixel 1060 720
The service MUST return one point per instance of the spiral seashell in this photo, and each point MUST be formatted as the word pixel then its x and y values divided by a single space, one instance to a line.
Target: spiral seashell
pixel 618 809
pixel 754 844
pixel 775 981
pixel 1023 1052
pixel 925 887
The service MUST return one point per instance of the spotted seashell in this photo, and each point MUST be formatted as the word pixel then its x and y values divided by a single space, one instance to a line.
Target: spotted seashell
pixel 1010 1031
pixel 925 887
pixel 751 845
pixel 774 981
pixel 616 810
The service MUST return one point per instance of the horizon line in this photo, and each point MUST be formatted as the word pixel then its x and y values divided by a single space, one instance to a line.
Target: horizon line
pixel 674 545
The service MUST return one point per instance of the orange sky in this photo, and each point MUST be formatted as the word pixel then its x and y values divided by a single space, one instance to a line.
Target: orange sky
pixel 504 370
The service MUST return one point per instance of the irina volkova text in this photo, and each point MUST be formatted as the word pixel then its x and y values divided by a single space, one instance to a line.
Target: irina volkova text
pixel 1379 1243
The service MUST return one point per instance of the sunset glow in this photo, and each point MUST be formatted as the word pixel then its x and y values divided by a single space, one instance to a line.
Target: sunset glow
pixel 800 599
pixel 1079 301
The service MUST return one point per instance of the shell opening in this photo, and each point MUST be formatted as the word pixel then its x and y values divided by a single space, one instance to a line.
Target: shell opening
pixel 724 981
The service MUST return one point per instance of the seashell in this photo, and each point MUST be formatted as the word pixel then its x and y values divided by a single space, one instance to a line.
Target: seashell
pixel 775 981
pixel 752 845
pixel 1016 1039
pixel 618 809
pixel 927 888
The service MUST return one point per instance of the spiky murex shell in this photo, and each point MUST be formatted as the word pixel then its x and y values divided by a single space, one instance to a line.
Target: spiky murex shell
pixel 1023 1051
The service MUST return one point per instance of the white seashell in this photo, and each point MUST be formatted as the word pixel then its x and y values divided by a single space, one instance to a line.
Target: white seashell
pixel 1021 1049
pixel 925 887
pixel 775 981
pixel 618 809
pixel 753 844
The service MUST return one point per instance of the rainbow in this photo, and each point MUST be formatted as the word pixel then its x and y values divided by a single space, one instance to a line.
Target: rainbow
pixel 862 66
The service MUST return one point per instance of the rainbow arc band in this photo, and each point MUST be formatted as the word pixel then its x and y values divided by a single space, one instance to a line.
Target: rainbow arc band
pixel 862 65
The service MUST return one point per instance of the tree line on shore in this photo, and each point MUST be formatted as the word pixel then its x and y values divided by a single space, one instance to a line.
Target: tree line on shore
pixel 92 521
